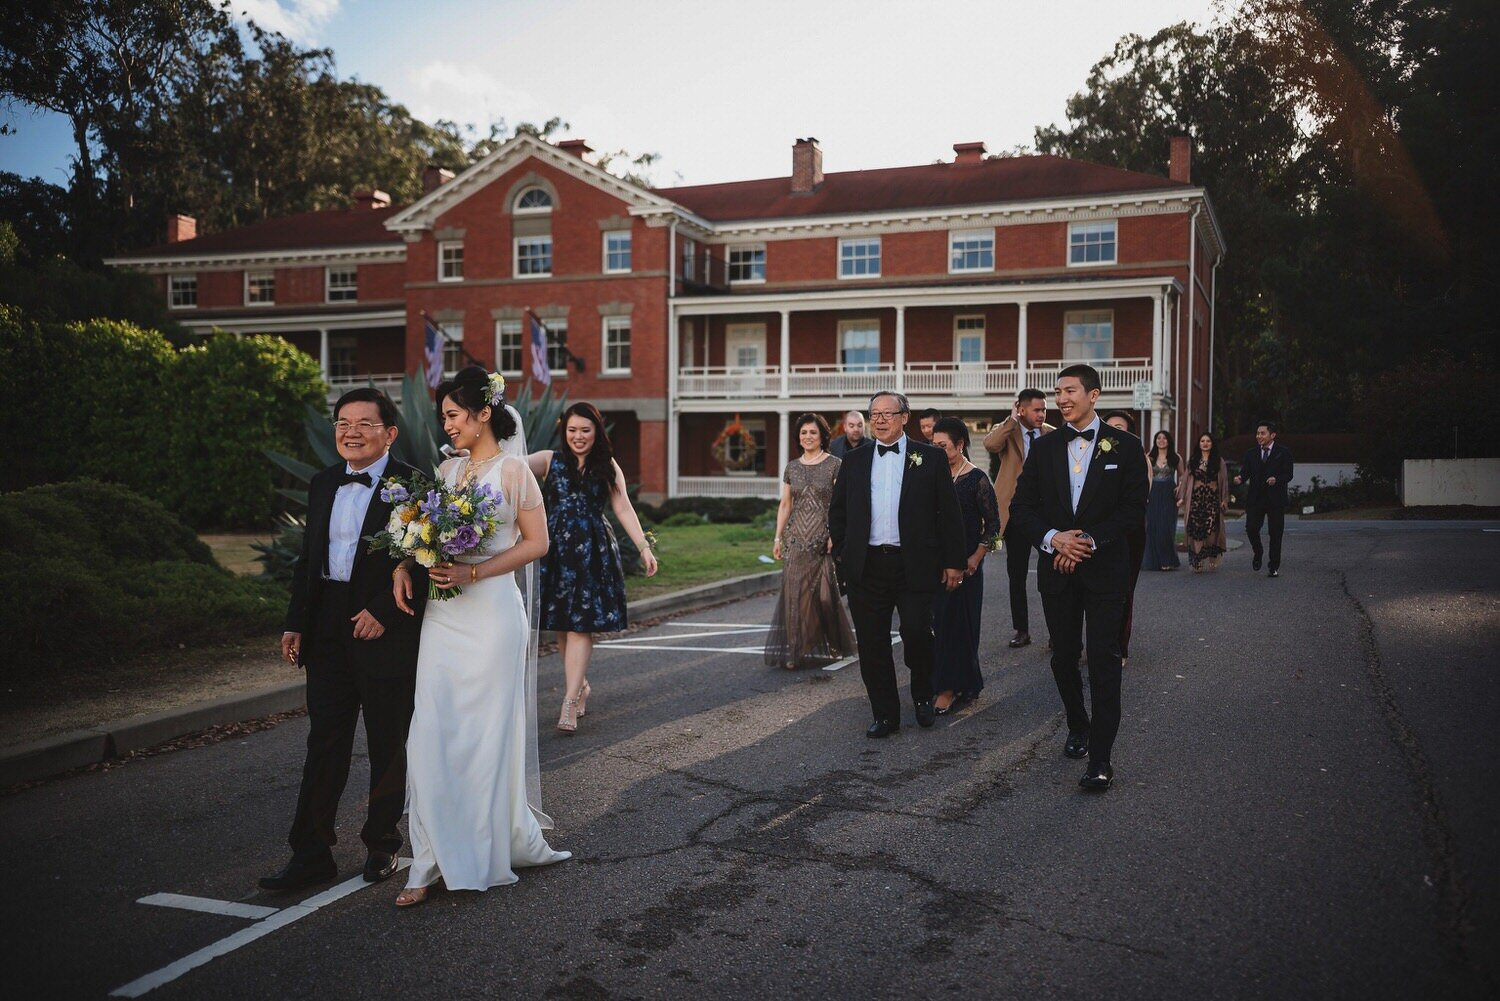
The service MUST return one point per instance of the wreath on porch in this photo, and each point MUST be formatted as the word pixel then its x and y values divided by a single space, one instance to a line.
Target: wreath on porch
pixel 735 447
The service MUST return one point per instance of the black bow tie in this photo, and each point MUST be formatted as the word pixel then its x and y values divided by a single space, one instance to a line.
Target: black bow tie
pixel 1070 432
pixel 882 449
pixel 363 479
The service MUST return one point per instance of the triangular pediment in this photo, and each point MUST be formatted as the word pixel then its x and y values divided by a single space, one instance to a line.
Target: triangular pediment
pixel 421 214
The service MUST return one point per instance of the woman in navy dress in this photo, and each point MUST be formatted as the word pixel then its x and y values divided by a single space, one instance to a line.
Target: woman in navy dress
pixel 1161 509
pixel 955 614
pixel 583 584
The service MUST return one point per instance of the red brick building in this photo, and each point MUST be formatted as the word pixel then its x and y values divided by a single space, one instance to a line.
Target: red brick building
pixel 957 283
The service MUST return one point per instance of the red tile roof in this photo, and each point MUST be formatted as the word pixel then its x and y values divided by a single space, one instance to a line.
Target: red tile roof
pixel 936 185
pixel 303 231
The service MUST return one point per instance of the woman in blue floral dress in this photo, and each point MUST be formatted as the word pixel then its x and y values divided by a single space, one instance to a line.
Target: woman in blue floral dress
pixel 583 584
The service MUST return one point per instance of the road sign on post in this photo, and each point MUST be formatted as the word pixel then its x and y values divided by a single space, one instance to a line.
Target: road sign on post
pixel 1142 400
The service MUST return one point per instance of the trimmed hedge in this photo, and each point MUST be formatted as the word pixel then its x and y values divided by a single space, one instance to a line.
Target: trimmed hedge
pixel 108 400
pixel 91 573
pixel 720 510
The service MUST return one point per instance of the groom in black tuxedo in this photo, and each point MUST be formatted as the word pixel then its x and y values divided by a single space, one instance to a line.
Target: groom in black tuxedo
pixel 897 539
pixel 1266 470
pixel 359 652
pixel 1081 490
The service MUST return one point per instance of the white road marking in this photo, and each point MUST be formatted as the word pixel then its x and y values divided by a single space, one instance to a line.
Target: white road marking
pixel 204 905
pixel 839 665
pixel 697 649
pixel 717 625
pixel 226 945
pixel 691 636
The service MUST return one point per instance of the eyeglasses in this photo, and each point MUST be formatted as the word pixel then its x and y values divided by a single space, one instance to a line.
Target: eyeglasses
pixel 884 415
pixel 363 427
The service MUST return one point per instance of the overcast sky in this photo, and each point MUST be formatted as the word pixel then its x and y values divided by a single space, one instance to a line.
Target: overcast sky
pixel 719 89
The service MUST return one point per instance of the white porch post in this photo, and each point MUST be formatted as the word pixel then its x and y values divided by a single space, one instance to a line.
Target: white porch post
pixel 1158 330
pixel 1021 358
pixel 784 450
pixel 786 360
pixel 323 352
pixel 900 349
pixel 674 338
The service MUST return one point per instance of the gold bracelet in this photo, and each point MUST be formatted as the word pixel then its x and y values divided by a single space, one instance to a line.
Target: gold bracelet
pixel 473 573
pixel 397 569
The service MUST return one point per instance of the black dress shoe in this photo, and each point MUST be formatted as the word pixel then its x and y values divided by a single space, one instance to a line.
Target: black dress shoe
pixel 1077 746
pixel 1273 572
pixel 379 867
pixel 296 875
pixel 1097 778
pixel 1020 639
pixel 1255 563
pixel 882 728
pixel 926 715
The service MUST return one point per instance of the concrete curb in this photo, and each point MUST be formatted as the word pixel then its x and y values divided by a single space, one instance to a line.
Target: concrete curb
pixel 66 751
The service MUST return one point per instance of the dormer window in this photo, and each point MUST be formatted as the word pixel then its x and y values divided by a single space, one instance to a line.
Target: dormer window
pixel 533 201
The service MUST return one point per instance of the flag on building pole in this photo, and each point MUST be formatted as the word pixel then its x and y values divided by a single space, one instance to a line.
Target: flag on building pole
pixel 433 354
pixel 541 370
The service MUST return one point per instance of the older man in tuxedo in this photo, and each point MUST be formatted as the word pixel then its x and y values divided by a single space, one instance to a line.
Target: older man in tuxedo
pixel 897 539
pixel 359 652
pixel 1011 441
pixel 1266 470
pixel 1080 493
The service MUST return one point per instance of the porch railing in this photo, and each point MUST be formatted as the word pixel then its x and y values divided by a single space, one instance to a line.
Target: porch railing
pixel 388 383
pixel 1116 375
pixel 921 379
pixel 768 487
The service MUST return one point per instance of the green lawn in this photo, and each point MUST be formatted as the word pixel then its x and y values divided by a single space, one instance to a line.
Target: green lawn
pixel 699 554
pixel 234 553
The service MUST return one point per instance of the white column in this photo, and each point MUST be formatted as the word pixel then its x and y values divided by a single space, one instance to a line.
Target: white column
pixel 1021 359
pixel 1158 329
pixel 786 358
pixel 785 452
pixel 900 349
pixel 674 339
pixel 323 353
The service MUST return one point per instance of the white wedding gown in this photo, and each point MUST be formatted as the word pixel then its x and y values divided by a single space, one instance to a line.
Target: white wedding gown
pixel 470 747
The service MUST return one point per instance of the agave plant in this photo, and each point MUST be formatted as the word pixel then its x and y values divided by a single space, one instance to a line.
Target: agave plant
pixel 418 445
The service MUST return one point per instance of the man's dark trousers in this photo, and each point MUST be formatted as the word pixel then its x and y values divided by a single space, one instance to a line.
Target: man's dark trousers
pixel 1070 613
pixel 1018 560
pixel 338 689
pixel 881 590
pixel 1273 512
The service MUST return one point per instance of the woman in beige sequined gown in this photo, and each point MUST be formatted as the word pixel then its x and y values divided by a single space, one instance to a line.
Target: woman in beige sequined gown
pixel 810 626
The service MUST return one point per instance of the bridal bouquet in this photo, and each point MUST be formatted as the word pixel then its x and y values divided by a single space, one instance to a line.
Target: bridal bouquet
pixel 433 523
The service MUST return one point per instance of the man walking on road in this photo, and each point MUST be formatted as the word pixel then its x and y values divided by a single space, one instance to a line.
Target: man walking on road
pixel 1010 441
pixel 1266 470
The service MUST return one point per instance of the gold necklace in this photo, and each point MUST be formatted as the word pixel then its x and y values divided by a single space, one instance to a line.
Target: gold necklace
pixel 1078 459
pixel 472 469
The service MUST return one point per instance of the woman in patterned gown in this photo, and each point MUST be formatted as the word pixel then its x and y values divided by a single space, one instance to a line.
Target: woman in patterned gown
pixel 809 626
pixel 583 584
pixel 956 676
pixel 1204 495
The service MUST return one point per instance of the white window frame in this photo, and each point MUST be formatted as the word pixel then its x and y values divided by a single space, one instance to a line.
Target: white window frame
pixel 689 253
pixel 1112 226
pixel 1083 317
pixel 852 242
pixel 748 248
pixel 615 234
pixel 956 236
pixel 960 332
pixel 850 326
pixel 555 326
pixel 516 209
pixel 443 273
pixel 337 345
pixel 736 334
pixel 515 258
pixel 453 331
pixel 611 326
pixel 328 287
pixel 172 291
pixel 249 276
pixel 504 328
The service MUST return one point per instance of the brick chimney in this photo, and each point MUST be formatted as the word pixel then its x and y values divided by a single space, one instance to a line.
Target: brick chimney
pixel 1180 160
pixel 371 199
pixel 807 166
pixel 435 177
pixel 575 146
pixel 968 152
pixel 181 227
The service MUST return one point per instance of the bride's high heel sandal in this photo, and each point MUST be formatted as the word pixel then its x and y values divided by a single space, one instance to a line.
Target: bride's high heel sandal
pixel 583 700
pixel 568 721
pixel 411 896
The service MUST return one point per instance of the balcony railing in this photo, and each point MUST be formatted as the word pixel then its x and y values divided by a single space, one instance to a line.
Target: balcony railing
pixel 710 274
pixel 921 379
pixel 388 383
pixel 768 487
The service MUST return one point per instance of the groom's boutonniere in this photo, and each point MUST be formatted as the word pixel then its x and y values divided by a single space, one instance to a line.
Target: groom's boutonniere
pixel 914 458
pixel 1106 444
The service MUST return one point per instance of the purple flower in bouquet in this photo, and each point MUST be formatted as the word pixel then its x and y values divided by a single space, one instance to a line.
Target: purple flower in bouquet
pixel 465 538
pixel 394 492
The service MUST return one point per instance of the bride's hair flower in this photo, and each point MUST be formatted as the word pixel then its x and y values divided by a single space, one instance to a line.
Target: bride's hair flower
pixel 495 391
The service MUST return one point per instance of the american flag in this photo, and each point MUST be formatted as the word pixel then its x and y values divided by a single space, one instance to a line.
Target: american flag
pixel 436 340
pixel 541 371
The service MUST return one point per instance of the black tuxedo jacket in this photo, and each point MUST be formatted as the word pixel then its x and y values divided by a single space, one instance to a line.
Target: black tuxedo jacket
pixel 1113 503
pixel 395 652
pixel 1254 471
pixel 928 518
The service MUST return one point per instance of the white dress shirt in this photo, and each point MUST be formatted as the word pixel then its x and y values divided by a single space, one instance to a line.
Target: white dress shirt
pixel 886 474
pixel 1076 480
pixel 1028 438
pixel 350 505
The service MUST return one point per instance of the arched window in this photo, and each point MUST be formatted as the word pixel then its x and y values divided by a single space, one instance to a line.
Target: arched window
pixel 533 200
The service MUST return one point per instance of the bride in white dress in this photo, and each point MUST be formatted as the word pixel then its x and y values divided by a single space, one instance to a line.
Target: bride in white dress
pixel 473 783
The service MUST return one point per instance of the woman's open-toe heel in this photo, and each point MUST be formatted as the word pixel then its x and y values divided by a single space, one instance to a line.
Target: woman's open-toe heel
pixel 583 700
pixel 411 896
pixel 568 721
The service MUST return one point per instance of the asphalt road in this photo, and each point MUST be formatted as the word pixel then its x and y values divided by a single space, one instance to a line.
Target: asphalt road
pixel 1304 807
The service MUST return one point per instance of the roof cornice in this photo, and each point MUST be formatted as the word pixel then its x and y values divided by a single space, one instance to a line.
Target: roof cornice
pixel 372 253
